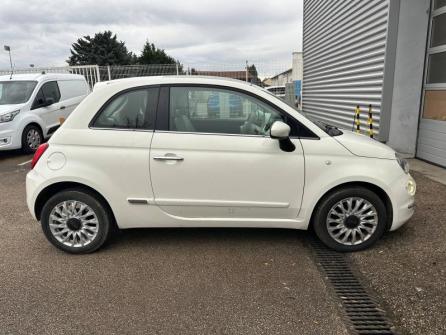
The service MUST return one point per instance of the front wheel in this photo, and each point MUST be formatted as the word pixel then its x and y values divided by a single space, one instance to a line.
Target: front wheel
pixel 350 219
pixel 31 138
pixel 75 221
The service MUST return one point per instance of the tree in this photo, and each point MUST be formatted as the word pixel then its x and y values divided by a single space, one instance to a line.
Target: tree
pixel 252 70
pixel 101 49
pixel 152 55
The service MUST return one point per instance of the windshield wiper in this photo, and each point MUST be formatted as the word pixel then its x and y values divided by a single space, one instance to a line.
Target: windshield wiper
pixel 332 130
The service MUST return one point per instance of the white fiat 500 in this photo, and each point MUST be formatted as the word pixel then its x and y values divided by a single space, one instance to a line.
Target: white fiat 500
pixel 207 152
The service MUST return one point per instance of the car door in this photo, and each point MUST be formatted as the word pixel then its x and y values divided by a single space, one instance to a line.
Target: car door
pixel 117 144
pixel 48 113
pixel 208 161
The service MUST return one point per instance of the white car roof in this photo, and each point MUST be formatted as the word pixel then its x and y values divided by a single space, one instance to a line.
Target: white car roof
pixel 171 79
pixel 42 76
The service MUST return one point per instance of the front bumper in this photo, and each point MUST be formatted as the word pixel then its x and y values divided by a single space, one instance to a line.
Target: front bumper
pixel 9 139
pixel 403 201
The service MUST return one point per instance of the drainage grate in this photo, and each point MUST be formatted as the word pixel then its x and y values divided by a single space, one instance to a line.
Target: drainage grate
pixel 361 309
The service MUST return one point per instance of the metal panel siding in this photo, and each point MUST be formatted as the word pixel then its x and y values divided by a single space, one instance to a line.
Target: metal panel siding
pixel 344 46
pixel 432 141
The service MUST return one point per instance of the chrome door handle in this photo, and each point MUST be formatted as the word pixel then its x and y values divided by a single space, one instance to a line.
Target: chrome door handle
pixel 62 107
pixel 168 158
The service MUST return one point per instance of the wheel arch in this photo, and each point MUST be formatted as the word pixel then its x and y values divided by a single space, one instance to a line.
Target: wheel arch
pixel 33 123
pixel 372 187
pixel 52 189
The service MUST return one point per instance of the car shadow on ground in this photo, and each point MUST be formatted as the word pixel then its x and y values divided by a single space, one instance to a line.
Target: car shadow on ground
pixel 11 154
pixel 193 236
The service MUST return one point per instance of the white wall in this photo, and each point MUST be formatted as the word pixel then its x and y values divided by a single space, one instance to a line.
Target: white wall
pixel 408 75
pixel 297 66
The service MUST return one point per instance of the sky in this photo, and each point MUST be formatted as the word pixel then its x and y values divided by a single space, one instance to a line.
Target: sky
pixel 226 32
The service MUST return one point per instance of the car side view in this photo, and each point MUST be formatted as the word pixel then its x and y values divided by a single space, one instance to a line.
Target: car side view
pixel 188 151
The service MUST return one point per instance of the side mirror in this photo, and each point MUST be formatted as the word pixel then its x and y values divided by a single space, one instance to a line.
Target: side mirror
pixel 48 102
pixel 281 131
pixel 40 101
pixel 44 102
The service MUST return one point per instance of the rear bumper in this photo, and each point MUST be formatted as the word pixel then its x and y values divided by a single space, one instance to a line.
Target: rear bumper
pixel 33 181
pixel 403 202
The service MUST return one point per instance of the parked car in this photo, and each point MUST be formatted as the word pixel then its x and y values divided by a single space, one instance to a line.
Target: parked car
pixel 32 107
pixel 143 152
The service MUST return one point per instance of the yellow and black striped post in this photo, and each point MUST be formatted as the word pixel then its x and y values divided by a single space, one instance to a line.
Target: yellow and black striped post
pixel 357 121
pixel 370 121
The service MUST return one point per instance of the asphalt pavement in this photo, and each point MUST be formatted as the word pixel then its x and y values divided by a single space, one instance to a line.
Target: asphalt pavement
pixel 407 268
pixel 157 281
pixel 210 281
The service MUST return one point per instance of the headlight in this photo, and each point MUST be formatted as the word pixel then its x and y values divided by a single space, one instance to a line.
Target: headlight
pixel 411 187
pixel 8 116
pixel 403 163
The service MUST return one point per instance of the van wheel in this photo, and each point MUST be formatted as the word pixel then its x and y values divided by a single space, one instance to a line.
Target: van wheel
pixel 350 219
pixel 75 221
pixel 31 138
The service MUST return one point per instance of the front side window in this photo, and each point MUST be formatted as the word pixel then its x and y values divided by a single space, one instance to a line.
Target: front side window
pixel 214 110
pixel 130 110
pixel 51 90
pixel 48 94
pixel 16 92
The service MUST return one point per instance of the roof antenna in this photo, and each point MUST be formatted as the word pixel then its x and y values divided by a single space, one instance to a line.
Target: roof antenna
pixel 8 48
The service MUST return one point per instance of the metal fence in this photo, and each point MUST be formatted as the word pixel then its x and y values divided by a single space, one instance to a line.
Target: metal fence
pixel 90 72
pixel 95 73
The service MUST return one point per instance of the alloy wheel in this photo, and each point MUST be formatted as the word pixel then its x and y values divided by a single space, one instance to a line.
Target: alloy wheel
pixel 352 221
pixel 73 223
pixel 33 139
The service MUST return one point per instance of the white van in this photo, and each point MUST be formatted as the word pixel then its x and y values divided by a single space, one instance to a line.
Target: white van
pixel 32 106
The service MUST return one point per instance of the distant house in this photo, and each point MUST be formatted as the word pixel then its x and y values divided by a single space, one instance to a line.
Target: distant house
pixel 291 75
pixel 282 78
pixel 240 75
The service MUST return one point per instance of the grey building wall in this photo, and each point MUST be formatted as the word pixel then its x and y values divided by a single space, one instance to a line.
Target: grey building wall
pixel 383 67
pixel 344 52
pixel 412 29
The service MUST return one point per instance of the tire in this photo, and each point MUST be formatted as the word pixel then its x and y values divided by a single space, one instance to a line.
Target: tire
pixel 32 137
pixel 334 222
pixel 81 230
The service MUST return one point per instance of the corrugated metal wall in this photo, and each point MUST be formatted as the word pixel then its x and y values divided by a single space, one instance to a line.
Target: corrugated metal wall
pixel 344 44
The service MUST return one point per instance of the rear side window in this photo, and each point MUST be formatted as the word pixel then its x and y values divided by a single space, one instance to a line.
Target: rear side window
pixel 72 88
pixel 129 110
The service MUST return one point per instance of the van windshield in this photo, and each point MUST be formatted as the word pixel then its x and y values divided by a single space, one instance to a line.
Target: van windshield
pixel 16 92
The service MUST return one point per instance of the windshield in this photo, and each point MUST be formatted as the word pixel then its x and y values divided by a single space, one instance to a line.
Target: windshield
pixel 16 92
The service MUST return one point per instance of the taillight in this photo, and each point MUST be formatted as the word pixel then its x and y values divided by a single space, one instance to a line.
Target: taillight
pixel 39 152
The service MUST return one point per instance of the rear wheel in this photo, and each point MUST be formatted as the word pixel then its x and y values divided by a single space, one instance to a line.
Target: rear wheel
pixel 75 221
pixel 350 219
pixel 31 138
